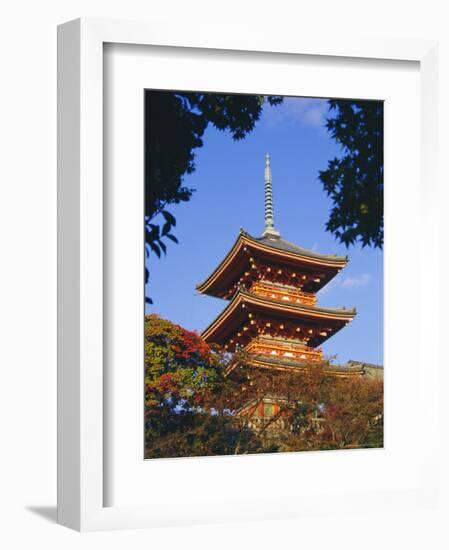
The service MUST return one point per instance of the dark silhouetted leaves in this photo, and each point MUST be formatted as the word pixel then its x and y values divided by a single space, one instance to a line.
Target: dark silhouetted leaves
pixel 354 181
pixel 172 238
pixel 174 126
pixel 170 220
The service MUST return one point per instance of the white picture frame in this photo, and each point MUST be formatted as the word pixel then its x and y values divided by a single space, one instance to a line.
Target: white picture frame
pixel 81 475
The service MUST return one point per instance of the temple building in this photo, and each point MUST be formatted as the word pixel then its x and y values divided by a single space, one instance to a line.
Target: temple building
pixel 272 312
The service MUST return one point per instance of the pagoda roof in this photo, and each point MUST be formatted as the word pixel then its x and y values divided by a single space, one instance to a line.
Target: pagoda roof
pixel 287 246
pixel 371 369
pixel 274 249
pixel 236 312
pixel 285 363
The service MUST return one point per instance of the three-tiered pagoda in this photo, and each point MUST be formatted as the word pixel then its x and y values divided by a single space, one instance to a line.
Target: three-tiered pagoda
pixel 271 286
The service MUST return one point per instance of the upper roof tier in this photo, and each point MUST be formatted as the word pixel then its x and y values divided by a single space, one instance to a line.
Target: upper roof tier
pixel 273 250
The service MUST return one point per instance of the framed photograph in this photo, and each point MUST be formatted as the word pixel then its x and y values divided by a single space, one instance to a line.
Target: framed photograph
pixel 247 232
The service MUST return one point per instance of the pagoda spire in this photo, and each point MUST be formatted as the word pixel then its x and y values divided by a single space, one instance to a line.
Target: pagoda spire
pixel 270 230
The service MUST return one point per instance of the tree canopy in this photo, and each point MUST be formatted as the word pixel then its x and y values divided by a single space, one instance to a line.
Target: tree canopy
pixel 193 409
pixel 355 180
pixel 187 396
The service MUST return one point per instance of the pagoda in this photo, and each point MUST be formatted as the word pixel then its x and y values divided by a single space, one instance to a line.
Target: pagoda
pixel 272 312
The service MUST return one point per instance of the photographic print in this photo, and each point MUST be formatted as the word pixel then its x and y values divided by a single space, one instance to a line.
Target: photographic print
pixel 263 274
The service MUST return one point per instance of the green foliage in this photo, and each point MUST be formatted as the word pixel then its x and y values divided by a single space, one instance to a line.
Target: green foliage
pixel 355 181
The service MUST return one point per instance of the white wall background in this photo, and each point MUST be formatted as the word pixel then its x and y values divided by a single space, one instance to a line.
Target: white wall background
pixel 28 269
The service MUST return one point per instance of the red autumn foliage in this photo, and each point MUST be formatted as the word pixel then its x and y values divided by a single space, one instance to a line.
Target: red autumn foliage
pixel 191 346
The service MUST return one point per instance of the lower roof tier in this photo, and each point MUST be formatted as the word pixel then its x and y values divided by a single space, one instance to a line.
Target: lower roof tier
pixel 285 364
pixel 244 307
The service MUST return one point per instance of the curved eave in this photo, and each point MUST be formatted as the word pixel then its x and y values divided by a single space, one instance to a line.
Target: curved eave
pixel 330 260
pixel 208 283
pixel 266 362
pixel 216 280
pixel 312 314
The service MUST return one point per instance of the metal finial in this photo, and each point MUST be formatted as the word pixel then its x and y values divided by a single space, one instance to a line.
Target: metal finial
pixel 270 231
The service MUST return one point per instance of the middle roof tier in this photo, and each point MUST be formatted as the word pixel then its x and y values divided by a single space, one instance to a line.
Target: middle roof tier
pixel 248 313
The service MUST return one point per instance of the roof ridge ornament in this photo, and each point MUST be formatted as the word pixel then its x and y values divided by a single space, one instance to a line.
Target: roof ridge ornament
pixel 270 230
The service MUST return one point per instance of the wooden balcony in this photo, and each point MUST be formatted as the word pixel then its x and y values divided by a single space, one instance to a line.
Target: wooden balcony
pixel 283 293
pixel 284 349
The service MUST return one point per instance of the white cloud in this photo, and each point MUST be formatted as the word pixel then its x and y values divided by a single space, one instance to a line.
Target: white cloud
pixel 355 282
pixel 346 282
pixel 297 110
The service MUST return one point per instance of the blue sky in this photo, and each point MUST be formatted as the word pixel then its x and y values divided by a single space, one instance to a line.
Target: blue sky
pixel 229 183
